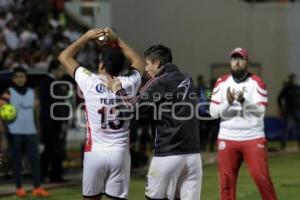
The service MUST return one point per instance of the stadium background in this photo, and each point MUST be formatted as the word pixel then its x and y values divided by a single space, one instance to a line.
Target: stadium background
pixel 201 35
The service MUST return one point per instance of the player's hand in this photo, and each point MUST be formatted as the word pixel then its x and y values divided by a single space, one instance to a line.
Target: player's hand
pixel 93 34
pixel 240 96
pixel 116 85
pixel 111 33
pixel 230 96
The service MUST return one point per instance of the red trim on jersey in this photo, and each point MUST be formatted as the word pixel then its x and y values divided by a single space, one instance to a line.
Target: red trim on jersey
pixel 262 103
pixel 262 94
pixel 88 143
pixel 259 81
pixel 215 102
pixel 221 80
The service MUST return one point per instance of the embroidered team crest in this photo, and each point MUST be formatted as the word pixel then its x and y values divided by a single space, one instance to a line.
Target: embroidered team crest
pixel 222 145
pixel 99 88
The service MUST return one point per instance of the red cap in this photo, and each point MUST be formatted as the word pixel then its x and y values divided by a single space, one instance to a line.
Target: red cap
pixel 240 51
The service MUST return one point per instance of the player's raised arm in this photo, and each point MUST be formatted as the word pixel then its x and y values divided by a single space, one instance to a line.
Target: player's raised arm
pixel 67 56
pixel 136 61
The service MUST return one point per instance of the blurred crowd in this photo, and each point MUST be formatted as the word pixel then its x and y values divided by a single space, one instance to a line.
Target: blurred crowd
pixel 33 33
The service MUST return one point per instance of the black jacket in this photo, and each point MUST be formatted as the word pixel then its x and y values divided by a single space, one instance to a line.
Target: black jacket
pixel 47 99
pixel 172 94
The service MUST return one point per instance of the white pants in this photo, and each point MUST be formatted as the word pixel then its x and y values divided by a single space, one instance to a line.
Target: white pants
pixel 106 173
pixel 178 176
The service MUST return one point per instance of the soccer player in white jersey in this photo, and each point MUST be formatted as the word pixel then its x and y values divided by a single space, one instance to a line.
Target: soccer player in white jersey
pixel 240 99
pixel 106 168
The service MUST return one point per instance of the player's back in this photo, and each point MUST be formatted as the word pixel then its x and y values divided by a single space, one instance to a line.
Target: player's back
pixel 105 130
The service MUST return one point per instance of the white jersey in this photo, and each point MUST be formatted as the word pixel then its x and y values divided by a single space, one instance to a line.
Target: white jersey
pixel 237 120
pixel 104 132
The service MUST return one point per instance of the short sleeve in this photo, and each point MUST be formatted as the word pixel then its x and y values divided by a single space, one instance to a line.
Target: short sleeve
pixel 83 78
pixel 131 82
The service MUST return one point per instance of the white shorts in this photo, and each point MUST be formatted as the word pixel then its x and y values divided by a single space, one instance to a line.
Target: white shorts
pixel 178 176
pixel 106 173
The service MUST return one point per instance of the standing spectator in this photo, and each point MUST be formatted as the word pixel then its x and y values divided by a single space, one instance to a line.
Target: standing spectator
pixel 289 105
pixel 53 133
pixel 240 99
pixel 23 133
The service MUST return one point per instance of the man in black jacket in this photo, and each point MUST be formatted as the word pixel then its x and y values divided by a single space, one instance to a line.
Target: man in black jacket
pixel 170 98
pixel 53 133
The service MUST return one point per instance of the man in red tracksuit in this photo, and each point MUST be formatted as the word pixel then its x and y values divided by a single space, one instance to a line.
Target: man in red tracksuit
pixel 240 100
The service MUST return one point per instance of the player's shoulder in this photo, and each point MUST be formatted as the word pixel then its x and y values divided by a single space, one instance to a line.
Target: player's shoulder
pixel 131 73
pixel 82 71
pixel 259 81
pixel 221 80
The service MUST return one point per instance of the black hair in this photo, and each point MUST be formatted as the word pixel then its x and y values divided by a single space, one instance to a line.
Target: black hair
pixel 160 52
pixel 19 70
pixel 113 60
pixel 54 65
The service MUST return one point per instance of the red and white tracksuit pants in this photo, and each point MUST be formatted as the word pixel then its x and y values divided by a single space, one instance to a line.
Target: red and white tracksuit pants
pixel 231 154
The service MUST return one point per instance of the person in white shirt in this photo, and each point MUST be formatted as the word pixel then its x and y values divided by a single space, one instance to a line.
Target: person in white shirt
pixel 240 100
pixel 106 158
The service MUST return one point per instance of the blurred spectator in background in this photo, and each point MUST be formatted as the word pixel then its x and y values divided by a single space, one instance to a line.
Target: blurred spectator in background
pixel 203 111
pixel 140 141
pixel 11 37
pixel 53 130
pixel 209 127
pixel 22 133
pixel 38 12
pixel 213 125
pixel 5 4
pixel 57 6
pixel 289 105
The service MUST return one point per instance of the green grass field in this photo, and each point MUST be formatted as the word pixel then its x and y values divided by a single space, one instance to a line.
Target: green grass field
pixel 285 171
